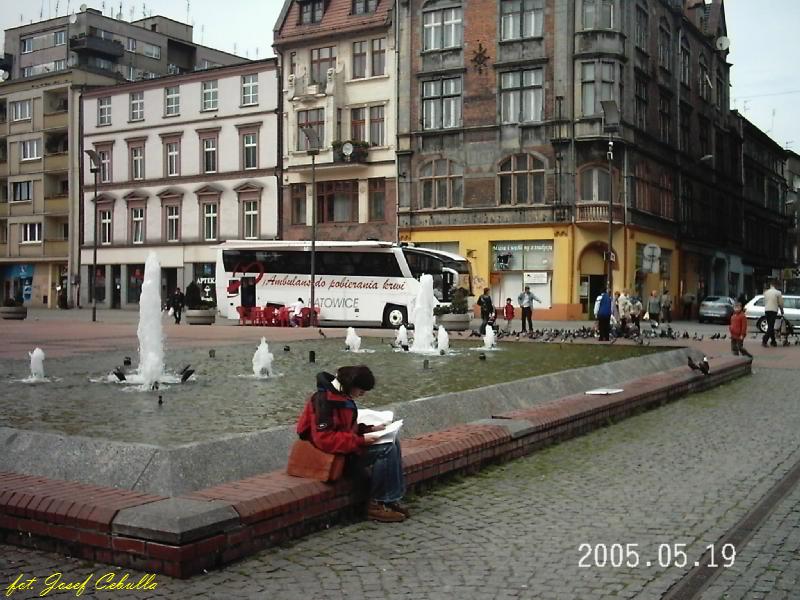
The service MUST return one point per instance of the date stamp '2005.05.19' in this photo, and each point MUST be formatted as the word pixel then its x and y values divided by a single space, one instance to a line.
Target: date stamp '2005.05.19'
pixel 664 555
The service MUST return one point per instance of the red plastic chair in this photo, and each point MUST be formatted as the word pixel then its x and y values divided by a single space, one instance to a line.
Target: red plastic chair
pixel 283 317
pixel 242 315
pixel 269 316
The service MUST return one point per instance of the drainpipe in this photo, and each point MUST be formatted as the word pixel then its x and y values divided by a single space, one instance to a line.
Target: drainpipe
pixel 279 165
pixel 395 21
pixel 80 194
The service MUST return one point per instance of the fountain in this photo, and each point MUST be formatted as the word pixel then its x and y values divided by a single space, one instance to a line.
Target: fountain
pixel 422 316
pixel 37 364
pixel 442 340
pixel 489 338
pixel 352 341
pixel 402 337
pixel 262 360
pixel 150 331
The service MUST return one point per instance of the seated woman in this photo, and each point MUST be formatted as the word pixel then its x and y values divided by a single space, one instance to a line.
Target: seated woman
pixel 329 421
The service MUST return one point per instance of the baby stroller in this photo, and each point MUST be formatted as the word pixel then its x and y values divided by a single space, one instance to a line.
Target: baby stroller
pixel 785 330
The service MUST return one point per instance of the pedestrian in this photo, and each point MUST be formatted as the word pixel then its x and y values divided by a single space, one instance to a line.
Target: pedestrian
pixel 636 312
pixel 525 301
pixel 177 304
pixel 508 313
pixel 688 303
pixel 666 306
pixel 602 308
pixel 654 306
pixel 625 308
pixel 773 304
pixel 296 313
pixel 487 309
pixel 738 330
pixel 329 422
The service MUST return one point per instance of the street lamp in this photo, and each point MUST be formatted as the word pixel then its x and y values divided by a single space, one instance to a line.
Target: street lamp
pixel 610 125
pixel 313 146
pixel 95 158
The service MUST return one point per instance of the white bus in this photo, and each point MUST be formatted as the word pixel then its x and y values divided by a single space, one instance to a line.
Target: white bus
pixel 366 283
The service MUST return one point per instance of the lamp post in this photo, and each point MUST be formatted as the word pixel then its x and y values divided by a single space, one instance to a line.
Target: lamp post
pixel 95 158
pixel 610 125
pixel 313 143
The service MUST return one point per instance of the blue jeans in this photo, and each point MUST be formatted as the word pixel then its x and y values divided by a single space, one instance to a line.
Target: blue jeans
pixel 387 483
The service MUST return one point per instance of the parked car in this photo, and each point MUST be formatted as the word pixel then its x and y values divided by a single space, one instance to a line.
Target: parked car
pixel 754 311
pixel 715 308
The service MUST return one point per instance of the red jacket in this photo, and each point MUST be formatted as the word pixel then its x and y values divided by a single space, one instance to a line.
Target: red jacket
pixel 335 430
pixel 738 327
pixel 508 312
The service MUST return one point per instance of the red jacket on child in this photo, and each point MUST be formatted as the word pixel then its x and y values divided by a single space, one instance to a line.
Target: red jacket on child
pixel 738 326
pixel 508 312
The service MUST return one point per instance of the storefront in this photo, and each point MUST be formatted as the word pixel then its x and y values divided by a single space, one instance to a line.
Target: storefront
pixel 18 283
pixel 205 276
pixel 517 263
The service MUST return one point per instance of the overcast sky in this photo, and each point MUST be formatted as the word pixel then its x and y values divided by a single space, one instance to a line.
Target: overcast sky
pixel 765 80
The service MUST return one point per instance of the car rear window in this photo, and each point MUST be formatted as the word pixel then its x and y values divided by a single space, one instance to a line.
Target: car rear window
pixel 711 299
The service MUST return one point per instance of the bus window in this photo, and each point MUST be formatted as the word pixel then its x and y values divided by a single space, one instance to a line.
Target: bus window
pixel 420 263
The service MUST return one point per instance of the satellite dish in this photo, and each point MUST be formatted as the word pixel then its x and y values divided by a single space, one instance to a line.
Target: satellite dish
pixel 722 43
pixel 347 149
pixel 652 251
pixel 73 18
pixel 3 75
pixel 83 8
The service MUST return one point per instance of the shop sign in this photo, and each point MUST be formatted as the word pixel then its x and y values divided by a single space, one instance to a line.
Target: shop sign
pixel 535 278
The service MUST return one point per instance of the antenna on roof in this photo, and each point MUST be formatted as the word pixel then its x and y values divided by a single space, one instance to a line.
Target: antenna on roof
pixel 56 7
pixel 202 33
pixel 187 10
pixel 144 10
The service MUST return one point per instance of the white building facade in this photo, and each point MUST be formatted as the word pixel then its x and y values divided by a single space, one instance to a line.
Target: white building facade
pixel 186 162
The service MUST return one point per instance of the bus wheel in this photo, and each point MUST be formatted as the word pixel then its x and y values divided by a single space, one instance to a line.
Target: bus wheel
pixel 394 316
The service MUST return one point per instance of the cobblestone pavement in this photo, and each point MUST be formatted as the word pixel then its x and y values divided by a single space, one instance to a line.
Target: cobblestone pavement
pixel 682 474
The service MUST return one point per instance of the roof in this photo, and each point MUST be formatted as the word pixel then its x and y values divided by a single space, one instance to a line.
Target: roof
pixel 336 19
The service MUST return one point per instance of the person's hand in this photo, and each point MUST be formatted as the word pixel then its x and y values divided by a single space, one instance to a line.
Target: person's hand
pixel 368 441
pixel 377 427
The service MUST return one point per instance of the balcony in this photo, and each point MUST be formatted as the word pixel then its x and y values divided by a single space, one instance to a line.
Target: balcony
pixel 56 205
pixel 56 248
pixel 91 44
pixel 359 155
pixel 597 212
pixel 56 120
pixel 56 162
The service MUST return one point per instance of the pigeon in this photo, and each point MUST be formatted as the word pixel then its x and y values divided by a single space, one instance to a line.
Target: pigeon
pixel 692 365
pixel 212 353
pixel 404 347
pixel 322 333
pixel 160 400
pixel 119 374
pixel 127 361
pixel 286 348
pixel 186 374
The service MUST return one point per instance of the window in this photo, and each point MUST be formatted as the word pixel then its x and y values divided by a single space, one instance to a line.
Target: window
pixel 105 165
pixel 30 149
pixel 314 120
pixel 210 222
pixel 642 33
pixel 362 7
pixel 441 184
pixel 137 162
pixel 685 128
pixel 686 64
pixel 441 29
pixel 720 90
pixel 521 180
pixel 359 60
pixel 441 103
pixel 298 196
pixel 173 150
pixel 21 111
pixel 337 201
pixel 597 84
pixel 665 118
pixel 31 233
pixel 173 212
pixel 250 89
pixel 640 105
pixel 250 219
pixel 172 101
pixel 664 46
pixel 311 11
pixel 27 71
pixel 665 206
pixel 209 95
pixel 209 155
pixel 358 124
pixel 21 191
pixel 250 150
pixel 152 50
pixel 376 126
pixel 377 199
pixel 521 19
pixel 26 45
pixel 378 57
pixel 705 80
pixel 59 65
pixel 598 14
pixel 137 225
pixel 595 185
pixel 322 59
pixel 60 38
pixel 137 106
pixel 131 45
pixel 521 96
pixel 105 227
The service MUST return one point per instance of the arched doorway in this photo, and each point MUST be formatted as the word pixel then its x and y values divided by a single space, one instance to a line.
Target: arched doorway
pixel 592 267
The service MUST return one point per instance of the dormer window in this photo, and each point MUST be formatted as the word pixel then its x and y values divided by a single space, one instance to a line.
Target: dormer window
pixel 311 11
pixel 363 7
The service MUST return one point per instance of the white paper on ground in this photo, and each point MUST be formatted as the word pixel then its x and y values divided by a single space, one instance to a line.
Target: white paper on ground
pixel 604 391
pixel 387 435
pixel 368 416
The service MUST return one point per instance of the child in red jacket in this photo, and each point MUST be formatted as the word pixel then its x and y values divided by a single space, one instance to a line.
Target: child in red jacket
pixel 508 314
pixel 738 329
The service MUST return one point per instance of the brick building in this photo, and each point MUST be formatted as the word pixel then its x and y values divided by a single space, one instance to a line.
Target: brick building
pixel 338 67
